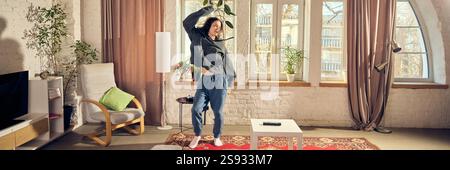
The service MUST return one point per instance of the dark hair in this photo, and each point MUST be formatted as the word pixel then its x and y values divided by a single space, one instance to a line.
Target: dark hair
pixel 207 26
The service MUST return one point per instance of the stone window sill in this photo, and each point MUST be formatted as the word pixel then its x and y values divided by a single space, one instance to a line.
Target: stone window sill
pixel 339 84
pixel 419 86
pixel 280 83
pixel 329 84
pixel 259 83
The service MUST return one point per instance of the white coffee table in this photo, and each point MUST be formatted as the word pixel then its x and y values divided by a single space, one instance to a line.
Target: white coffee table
pixel 288 129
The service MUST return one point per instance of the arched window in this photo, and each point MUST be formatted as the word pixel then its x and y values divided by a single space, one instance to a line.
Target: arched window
pixel 412 64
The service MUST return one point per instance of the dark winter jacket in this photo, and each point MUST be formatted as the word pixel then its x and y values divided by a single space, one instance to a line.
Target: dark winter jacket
pixel 207 53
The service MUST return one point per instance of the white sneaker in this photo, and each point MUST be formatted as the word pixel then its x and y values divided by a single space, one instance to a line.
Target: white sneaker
pixel 218 142
pixel 194 142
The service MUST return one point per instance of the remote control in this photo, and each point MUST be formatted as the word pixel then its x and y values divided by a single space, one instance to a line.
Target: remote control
pixel 271 123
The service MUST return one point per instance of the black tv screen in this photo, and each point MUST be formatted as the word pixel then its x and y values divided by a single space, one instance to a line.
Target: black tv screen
pixel 13 96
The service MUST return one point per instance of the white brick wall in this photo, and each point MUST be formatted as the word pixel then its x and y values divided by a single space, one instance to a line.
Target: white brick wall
pixel 310 106
pixel 323 107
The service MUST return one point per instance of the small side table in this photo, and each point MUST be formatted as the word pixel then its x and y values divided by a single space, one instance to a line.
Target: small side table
pixel 182 101
pixel 288 129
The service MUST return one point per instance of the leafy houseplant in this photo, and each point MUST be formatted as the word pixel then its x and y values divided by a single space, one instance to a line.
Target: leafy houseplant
pixel 47 34
pixel 222 10
pixel 183 68
pixel 294 59
pixel 83 53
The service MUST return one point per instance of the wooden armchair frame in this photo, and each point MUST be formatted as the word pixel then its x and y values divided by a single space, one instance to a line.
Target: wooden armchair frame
pixel 109 127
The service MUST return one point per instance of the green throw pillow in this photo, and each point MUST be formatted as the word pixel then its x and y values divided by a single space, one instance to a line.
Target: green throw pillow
pixel 116 99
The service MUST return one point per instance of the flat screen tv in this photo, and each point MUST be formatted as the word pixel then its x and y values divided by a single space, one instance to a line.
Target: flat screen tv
pixel 13 97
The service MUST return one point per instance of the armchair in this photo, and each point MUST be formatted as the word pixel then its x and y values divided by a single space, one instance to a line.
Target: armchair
pixel 96 79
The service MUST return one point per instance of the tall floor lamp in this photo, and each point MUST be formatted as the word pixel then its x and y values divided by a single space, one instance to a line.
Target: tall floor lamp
pixel 380 68
pixel 163 66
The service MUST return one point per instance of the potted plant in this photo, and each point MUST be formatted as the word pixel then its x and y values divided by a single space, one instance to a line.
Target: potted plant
pixel 46 35
pixel 293 62
pixel 182 67
pixel 83 53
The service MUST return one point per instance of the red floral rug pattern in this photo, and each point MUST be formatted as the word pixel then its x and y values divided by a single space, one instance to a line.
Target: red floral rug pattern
pixel 272 143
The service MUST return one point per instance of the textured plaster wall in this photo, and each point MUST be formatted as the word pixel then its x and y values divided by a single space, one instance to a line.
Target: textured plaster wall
pixel 91 23
pixel 14 56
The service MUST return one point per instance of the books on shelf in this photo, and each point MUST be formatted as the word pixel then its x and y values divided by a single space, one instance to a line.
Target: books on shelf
pixel 54 116
pixel 54 93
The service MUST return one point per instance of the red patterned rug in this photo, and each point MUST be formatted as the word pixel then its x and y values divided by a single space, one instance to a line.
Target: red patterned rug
pixel 272 143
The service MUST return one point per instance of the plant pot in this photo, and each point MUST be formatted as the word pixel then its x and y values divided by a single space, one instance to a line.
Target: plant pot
pixel 290 77
pixel 68 111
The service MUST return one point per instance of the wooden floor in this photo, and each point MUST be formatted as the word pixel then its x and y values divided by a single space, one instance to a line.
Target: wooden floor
pixel 400 139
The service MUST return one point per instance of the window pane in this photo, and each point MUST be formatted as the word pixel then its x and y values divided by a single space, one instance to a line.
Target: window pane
pixel 264 35
pixel 410 39
pixel 412 62
pixel 411 66
pixel 289 28
pixel 190 6
pixel 230 32
pixel 290 25
pixel 405 14
pixel 333 61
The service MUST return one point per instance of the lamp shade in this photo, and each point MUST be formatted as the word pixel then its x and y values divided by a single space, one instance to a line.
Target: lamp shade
pixel 395 47
pixel 162 52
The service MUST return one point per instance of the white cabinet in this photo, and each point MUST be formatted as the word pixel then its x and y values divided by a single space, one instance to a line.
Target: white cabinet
pixel 46 101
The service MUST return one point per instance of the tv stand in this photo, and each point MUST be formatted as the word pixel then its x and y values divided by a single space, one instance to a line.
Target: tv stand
pixel 27 129
pixel 45 121
pixel 8 124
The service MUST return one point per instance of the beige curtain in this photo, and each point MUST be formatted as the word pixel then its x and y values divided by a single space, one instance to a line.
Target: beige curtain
pixel 370 33
pixel 129 28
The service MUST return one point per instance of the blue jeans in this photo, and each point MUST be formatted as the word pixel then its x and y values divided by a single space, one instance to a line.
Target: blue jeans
pixel 202 97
